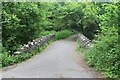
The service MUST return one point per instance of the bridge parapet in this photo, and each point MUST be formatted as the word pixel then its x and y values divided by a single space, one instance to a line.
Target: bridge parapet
pixel 39 42
pixel 85 42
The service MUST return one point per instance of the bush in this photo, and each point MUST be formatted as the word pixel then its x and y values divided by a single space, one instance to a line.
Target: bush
pixel 22 22
pixel 105 54
pixel 63 34
pixel 43 33
pixel 8 60
pixel 80 48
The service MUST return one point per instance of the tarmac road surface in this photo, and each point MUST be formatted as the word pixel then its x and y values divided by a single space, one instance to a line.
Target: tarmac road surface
pixel 59 60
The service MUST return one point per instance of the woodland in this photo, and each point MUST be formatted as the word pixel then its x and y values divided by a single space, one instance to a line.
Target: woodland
pixel 98 21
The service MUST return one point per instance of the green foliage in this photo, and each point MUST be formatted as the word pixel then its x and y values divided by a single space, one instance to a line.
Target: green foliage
pixel 0 54
pixel 104 55
pixel 8 60
pixel 63 34
pixel 23 22
pixel 81 17
pixel 43 33
pixel 80 48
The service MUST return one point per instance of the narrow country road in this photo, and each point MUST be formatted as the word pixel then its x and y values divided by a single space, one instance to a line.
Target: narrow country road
pixel 59 60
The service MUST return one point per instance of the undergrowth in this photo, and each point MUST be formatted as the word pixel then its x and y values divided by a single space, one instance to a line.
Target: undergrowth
pixel 8 60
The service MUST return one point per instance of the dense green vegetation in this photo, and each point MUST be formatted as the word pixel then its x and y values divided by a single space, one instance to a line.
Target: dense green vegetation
pixel 10 60
pixel 23 22
pixel 105 54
